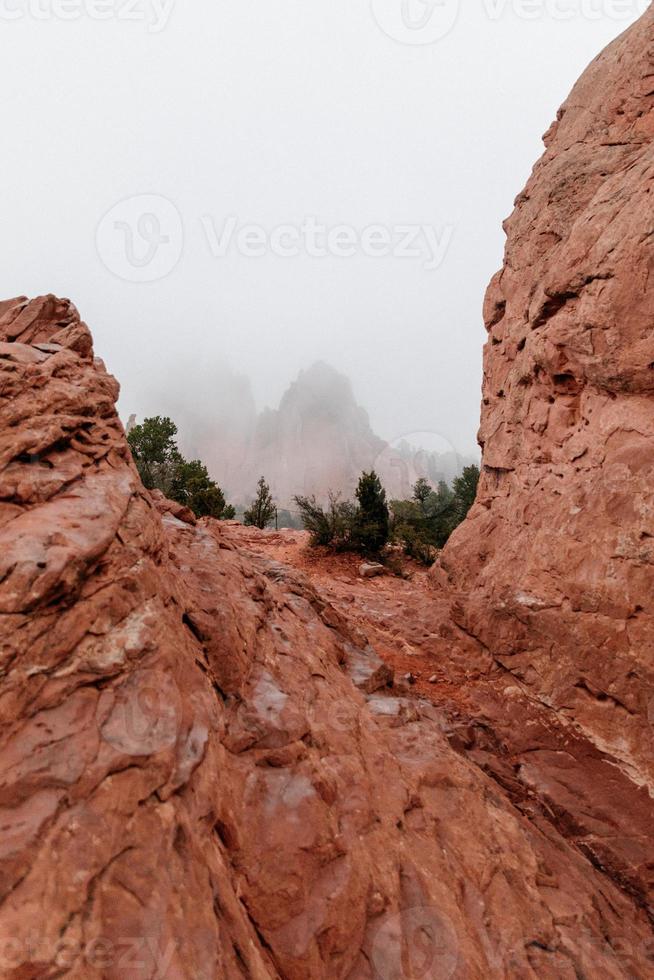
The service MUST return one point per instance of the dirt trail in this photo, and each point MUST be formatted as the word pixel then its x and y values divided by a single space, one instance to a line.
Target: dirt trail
pixel 554 773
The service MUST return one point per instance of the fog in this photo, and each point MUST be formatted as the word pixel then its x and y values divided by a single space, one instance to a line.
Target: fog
pixel 256 186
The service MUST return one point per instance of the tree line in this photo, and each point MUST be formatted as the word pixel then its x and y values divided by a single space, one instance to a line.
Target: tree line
pixel 368 525
pixel 420 526
pixel 161 466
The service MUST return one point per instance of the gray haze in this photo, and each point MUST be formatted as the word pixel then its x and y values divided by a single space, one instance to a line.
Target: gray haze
pixel 272 113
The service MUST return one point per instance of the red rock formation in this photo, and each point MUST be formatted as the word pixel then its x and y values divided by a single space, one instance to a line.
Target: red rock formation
pixel 202 772
pixel 318 440
pixel 555 566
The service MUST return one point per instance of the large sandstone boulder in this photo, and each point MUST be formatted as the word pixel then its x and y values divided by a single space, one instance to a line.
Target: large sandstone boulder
pixel 555 565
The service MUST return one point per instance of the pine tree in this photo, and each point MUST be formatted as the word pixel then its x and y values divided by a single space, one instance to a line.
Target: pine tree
pixel 465 491
pixel 161 466
pixel 194 487
pixel 155 452
pixel 422 491
pixel 372 522
pixel 331 528
pixel 262 511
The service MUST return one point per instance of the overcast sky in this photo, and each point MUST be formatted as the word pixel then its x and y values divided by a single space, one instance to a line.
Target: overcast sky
pixel 374 148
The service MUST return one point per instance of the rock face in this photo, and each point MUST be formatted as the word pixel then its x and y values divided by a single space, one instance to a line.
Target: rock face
pixel 318 440
pixel 555 566
pixel 203 770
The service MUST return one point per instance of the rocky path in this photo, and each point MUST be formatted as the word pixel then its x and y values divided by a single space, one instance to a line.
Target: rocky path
pixel 553 773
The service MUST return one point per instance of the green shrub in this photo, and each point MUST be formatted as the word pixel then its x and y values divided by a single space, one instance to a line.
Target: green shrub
pixel 424 524
pixel 371 526
pixel 193 487
pixel 465 491
pixel 263 509
pixel 331 527
pixel 345 526
pixel 155 453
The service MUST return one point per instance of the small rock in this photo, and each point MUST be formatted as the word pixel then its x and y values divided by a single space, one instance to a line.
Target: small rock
pixel 410 678
pixel 433 679
pixel 376 904
pixel 371 570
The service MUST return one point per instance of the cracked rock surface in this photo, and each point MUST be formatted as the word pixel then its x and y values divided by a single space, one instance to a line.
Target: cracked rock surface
pixel 555 566
pixel 198 773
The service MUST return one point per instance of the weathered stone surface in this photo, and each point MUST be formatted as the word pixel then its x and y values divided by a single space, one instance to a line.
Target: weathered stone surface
pixel 192 786
pixel 165 506
pixel 371 570
pixel 555 566
pixel 551 769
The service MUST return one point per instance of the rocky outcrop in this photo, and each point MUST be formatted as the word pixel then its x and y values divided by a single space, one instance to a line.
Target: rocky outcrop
pixel 318 440
pixel 204 772
pixel 555 565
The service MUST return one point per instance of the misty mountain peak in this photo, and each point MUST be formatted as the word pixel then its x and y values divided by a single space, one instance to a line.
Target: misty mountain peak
pixel 320 386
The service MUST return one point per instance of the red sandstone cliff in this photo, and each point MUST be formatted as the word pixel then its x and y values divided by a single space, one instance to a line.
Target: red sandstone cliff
pixel 556 562
pixel 203 770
